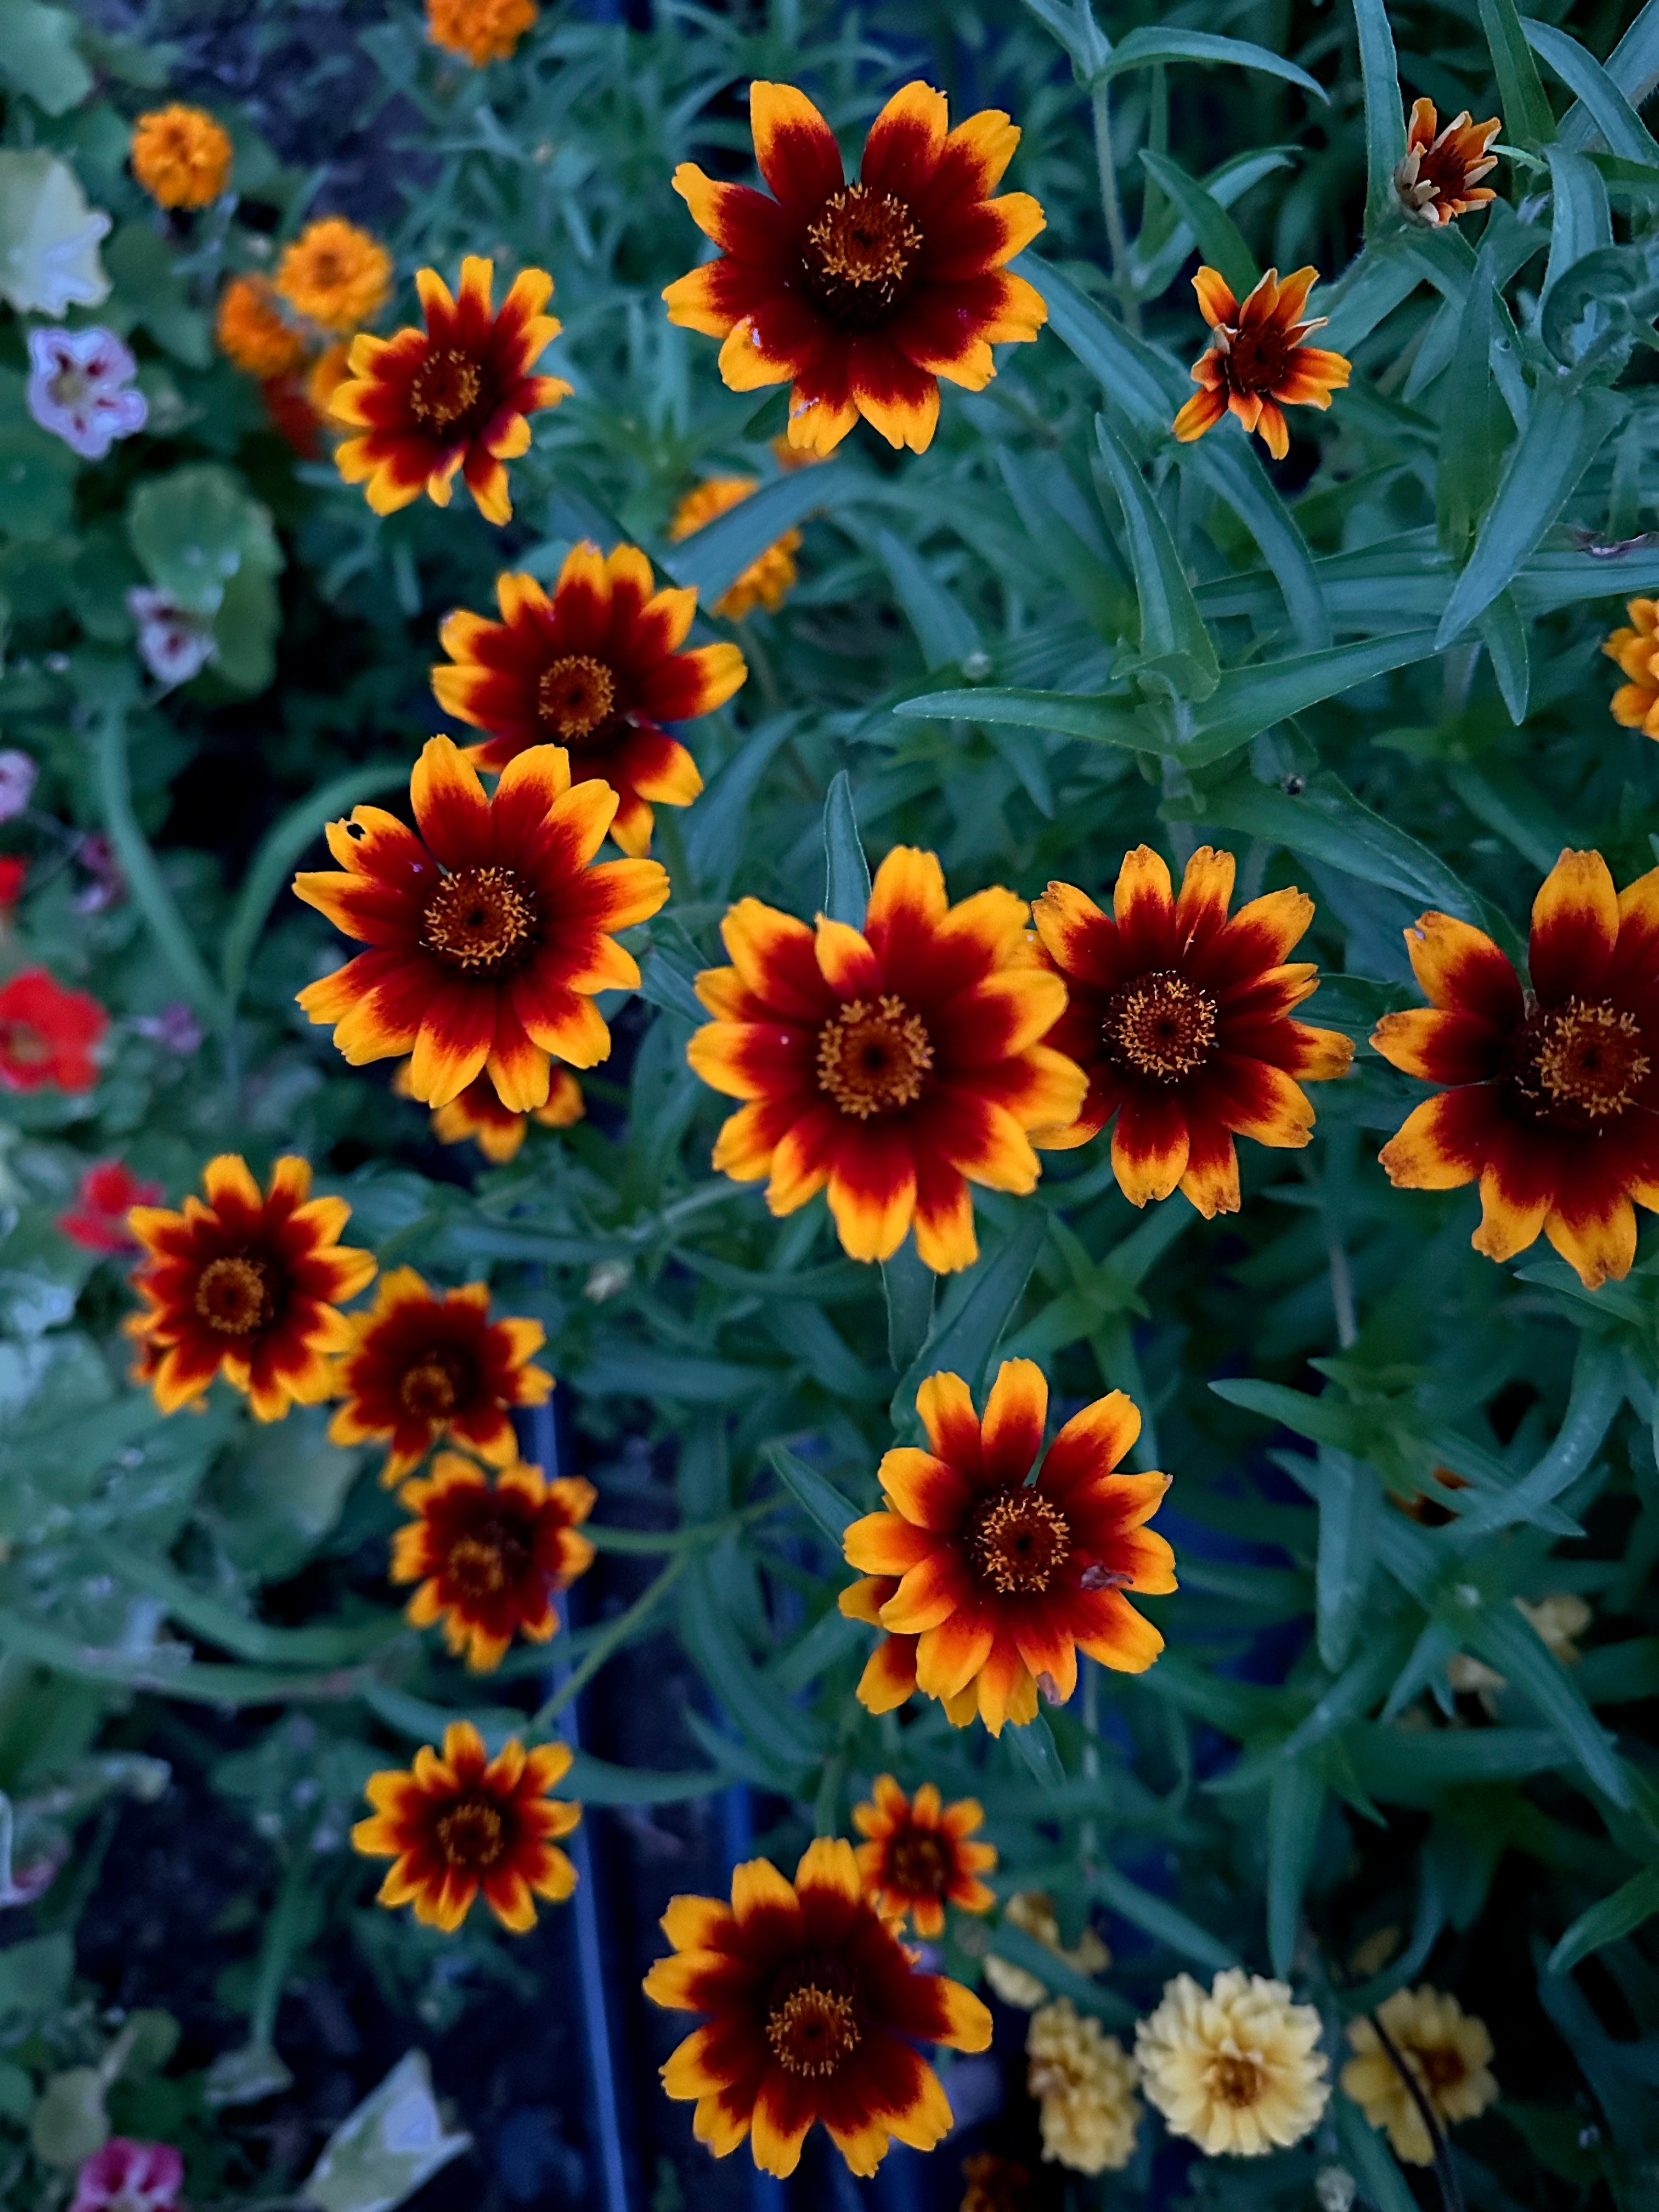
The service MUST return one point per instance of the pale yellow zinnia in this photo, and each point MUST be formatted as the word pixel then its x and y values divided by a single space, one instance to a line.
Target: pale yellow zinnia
pixel 1083 2081
pixel 1033 1911
pixel 1447 2051
pixel 1236 2068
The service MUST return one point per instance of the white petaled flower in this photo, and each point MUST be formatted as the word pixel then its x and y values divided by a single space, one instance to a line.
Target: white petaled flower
pixel 1085 2083
pixel 49 236
pixel 1235 2069
pixel 18 773
pixel 81 389
pixel 173 643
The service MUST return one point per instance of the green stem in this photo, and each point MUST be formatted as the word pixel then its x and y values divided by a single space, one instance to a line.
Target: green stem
pixel 277 1953
pixel 620 1630
pixel 1112 206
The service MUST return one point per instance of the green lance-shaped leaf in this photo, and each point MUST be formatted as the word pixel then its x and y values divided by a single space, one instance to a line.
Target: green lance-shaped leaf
pixel 1296 1803
pixel 846 872
pixel 1368 2158
pixel 965 1343
pixel 1228 467
pixel 1633 69
pixel 1614 117
pixel 1506 1640
pixel 1581 221
pixel 945 629
pixel 909 1283
pixel 1033 1743
pixel 1220 241
pixel 1630 1906
pixel 779 1732
pixel 1475 426
pixel 816 1495
pixel 1385 122
pixel 1141 48
pixel 1138 382
pixel 1526 118
pixel 1350 1500
pixel 1598 1391
pixel 1159 1918
pixel 1077 31
pixel 1175 644
pixel 1247 700
pixel 713 557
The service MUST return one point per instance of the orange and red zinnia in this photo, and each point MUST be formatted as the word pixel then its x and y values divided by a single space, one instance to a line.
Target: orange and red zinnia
pixel 897 1064
pixel 1180 1017
pixel 1006 1576
pixel 454 396
pixel 862 295
pixel 48 1036
pixel 491 932
pixel 466 1823
pixel 1635 650
pixel 490 1557
pixel 815 2007
pixel 920 1854
pixel 248 1285
pixel 1439 177
pixel 889 1673
pixel 1258 361
pixel 428 1364
pixel 599 668
pixel 498 1131
pixel 770 576
pixel 1550 1096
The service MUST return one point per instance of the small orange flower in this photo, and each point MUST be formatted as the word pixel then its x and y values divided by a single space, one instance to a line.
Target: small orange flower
pixel 181 156
pixel 453 397
pixel 248 1285
pixel 464 1823
pixel 815 2008
pixel 481 30
pixel 918 1857
pixel 426 1366
pixel 480 1114
pixel 489 1559
pixel 253 334
pixel 599 668
pixel 862 295
pixel 335 275
pixel 1636 651
pixel 1005 1578
pixel 768 579
pixel 889 1673
pixel 1258 361
pixel 325 376
pixel 1440 177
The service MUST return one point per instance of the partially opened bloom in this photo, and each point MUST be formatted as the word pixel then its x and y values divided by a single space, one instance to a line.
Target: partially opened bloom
pixel 498 1131
pixel 1083 2081
pixel 896 1065
pixel 48 1036
pixel 1235 2069
pixel 427 1364
pixel 1448 2053
pixel 125 2176
pixel 480 30
pixel 490 931
pixel 488 1556
pixel 1258 361
pixel 862 295
pixel 1635 650
pixel 107 1192
pixel 248 1286
pixel 81 389
pixel 814 2007
pixel 466 1824
pixel 454 397
pixel 770 576
pixel 1003 1577
pixel 1551 1097
pixel 1439 177
pixel 920 1854
pixel 180 155
pixel 598 668
pixel 335 275
pixel 253 333
pixel 1180 1015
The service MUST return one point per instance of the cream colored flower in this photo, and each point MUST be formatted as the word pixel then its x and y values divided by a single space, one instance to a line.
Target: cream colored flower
pixel 1557 1620
pixel 1237 2069
pixel 1448 2049
pixel 1033 1911
pixel 1084 2082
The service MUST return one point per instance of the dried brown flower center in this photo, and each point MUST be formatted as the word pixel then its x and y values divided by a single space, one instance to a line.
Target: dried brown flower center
pixel 235 1296
pixel 1581 1064
pixel 872 1058
pixel 812 2029
pixel 575 694
pixel 860 254
pixel 436 1385
pixel 471 1834
pixel 445 387
pixel 1237 2079
pixel 1159 1027
pixel 489 1559
pixel 480 918
pixel 1256 357
pixel 1017 1541
pixel 917 1863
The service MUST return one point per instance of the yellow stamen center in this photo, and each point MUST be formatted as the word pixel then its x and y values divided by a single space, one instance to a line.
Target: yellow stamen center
pixel 1017 1541
pixel 1236 2079
pixel 860 254
pixel 431 1389
pixel 872 1058
pixel 812 2030
pixel 480 918
pixel 444 387
pixel 471 1834
pixel 1588 1060
pixel 916 1864
pixel 1159 1027
pixel 575 694
pixel 233 1295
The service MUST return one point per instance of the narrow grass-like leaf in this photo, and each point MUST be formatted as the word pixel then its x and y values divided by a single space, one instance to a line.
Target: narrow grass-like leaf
pixel 1139 383
pixel 1632 68
pixel 1526 118
pixel 1227 465
pixel 816 1495
pixel 1139 49
pixel 1598 1391
pixel 909 1283
pixel 945 629
pixel 716 555
pixel 1630 1905
pixel 1506 1640
pixel 1475 426
pixel 1504 636
pixel 1385 124
pixel 779 1731
pixel 1296 1800
pixel 1247 700
pixel 846 872
pixel 1614 117
pixel 1108 719
pixel 1581 221
pixel 1174 641
pixel 1033 1742
pixel 966 1342
pixel 1220 241
pixel 1382 2186
pixel 1159 1918
pixel 1350 1499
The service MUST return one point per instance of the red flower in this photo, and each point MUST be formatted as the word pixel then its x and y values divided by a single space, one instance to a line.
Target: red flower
pixel 1258 361
pixel 98 1219
pixel 862 295
pixel 921 1857
pixel 14 871
pixel 47 1034
pixel 489 1559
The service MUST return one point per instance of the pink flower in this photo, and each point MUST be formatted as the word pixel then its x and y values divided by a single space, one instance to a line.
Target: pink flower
pixel 173 643
pixel 80 389
pixel 130 2177
pixel 98 1219
pixel 17 779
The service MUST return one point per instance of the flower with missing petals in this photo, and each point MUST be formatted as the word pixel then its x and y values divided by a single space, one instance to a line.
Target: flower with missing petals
pixel 81 389
pixel 488 1556
pixel 920 1856
pixel 1235 2069
pixel 1439 178
pixel 770 576
pixel 1083 2081
pixel 1258 361
pixel 1448 2053
pixel 181 156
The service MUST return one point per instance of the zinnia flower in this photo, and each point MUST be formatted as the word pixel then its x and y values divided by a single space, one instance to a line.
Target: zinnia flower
pixel 599 668
pixel 919 1858
pixel 1439 179
pixel 889 1673
pixel 1083 2081
pixel 478 1114
pixel 896 1065
pixel 81 389
pixel 455 397
pixel 1003 1577
pixel 180 156
pixel 107 1193
pixel 482 30
pixel 335 275
pixel 815 2006
pixel 1636 650
pixel 489 1559
pixel 1179 1017
pixel 1448 2052
pixel 1238 2069
pixel 248 1287
pixel 862 295
pixel 770 577
pixel 125 2176
pixel 491 930
pixel 1551 1092
pixel 455 1825
pixel 1258 361
pixel 47 1034
pixel 253 333
pixel 426 1364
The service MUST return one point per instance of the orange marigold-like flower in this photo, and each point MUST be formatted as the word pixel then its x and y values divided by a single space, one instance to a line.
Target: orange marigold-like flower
pixel 1636 651
pixel 248 1287
pixel 253 333
pixel 919 1858
pixel 599 668
pixel 770 577
pixel 335 275
pixel 465 1823
pixel 1550 1097
pixel 1005 1578
pixel 1439 179
pixel 181 156
pixel 477 1113
pixel 897 1064
pixel 1181 1017
pixel 482 30
pixel 491 932
pixel 862 295
pixel 489 1558
pixel 453 397
pixel 427 1364
pixel 815 2007
pixel 1258 361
